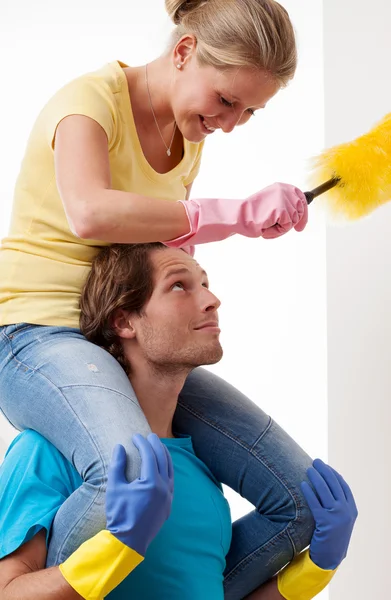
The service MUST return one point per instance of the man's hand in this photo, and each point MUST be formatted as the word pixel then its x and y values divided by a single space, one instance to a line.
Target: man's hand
pixel 335 512
pixel 136 511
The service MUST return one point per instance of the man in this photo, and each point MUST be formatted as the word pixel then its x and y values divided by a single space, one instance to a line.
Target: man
pixel 174 331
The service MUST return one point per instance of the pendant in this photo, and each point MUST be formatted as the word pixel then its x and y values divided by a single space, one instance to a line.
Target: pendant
pixel 169 152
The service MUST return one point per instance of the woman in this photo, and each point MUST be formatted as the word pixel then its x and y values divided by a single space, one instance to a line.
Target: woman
pixel 108 159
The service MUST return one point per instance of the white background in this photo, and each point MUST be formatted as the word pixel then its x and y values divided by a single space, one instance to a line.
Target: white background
pixel 357 94
pixel 294 314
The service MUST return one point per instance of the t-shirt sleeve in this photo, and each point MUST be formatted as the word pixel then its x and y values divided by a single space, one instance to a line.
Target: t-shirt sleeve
pixel 83 96
pixel 196 166
pixel 35 480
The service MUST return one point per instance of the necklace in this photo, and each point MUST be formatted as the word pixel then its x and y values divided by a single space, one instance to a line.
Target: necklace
pixel 168 148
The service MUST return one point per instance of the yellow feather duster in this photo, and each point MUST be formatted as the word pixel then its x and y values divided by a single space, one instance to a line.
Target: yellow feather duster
pixel 357 175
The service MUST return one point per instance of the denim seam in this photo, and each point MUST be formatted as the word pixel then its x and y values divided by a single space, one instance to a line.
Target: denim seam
pixel 214 425
pixel 102 387
pixel 295 499
pixel 97 449
pixel 234 572
pixel 282 533
pixel 16 331
pixel 262 435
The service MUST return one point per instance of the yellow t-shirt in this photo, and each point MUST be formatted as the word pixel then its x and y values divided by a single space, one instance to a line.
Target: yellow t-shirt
pixel 43 266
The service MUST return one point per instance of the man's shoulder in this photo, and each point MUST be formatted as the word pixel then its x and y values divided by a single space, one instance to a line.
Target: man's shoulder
pixel 33 453
pixel 35 480
pixel 30 442
pixel 28 439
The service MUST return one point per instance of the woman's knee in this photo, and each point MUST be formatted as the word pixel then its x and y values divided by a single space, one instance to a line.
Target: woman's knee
pixel 94 474
pixel 279 466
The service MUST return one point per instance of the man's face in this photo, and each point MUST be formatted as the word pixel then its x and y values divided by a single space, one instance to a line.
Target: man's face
pixel 179 325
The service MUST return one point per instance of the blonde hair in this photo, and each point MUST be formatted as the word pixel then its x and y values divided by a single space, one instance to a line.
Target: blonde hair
pixel 240 33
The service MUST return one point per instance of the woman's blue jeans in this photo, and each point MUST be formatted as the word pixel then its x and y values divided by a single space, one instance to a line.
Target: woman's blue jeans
pixel 78 396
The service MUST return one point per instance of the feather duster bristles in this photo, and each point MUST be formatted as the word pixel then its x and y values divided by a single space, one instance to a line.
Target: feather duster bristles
pixel 364 169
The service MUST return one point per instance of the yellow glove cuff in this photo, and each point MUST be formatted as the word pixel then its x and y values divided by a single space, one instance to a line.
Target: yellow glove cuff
pixel 302 579
pixel 99 565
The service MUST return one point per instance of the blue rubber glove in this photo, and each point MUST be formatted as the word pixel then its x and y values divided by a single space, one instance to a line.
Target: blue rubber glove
pixel 136 511
pixel 334 511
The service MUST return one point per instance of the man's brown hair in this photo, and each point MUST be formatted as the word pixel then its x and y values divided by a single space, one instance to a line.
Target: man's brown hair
pixel 121 277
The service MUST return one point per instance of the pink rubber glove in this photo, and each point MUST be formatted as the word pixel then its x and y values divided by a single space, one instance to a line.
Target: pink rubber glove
pixel 269 213
pixel 189 249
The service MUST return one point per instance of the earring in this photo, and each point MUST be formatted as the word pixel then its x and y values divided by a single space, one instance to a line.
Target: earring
pixel 179 66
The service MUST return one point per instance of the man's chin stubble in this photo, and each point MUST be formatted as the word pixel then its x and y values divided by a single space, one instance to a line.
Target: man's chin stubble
pixel 207 356
pixel 183 363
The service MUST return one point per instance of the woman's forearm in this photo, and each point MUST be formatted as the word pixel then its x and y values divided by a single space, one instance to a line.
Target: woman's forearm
pixel 122 217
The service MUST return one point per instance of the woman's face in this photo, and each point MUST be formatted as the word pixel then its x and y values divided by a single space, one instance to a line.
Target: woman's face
pixel 205 97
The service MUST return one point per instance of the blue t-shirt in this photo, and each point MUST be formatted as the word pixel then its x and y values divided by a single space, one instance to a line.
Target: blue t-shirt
pixel 185 560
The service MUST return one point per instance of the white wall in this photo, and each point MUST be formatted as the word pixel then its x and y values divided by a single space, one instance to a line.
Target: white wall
pixel 358 94
pixel 274 292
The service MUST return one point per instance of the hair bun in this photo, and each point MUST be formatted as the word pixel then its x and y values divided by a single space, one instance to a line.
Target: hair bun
pixel 177 9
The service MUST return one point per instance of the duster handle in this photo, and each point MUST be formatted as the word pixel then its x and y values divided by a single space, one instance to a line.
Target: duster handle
pixel 321 189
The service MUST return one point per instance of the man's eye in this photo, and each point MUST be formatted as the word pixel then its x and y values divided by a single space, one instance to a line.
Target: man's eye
pixel 225 102
pixel 178 284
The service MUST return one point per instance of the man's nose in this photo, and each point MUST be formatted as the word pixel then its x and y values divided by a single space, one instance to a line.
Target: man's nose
pixel 210 301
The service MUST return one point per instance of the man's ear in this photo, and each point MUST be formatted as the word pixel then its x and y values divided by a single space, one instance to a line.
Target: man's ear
pixel 123 325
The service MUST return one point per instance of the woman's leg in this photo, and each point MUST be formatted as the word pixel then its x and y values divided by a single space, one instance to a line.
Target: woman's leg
pixel 245 449
pixel 79 397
